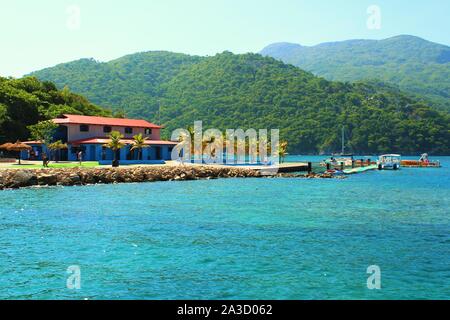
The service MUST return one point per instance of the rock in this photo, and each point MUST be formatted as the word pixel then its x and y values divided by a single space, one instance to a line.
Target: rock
pixel 88 178
pixel 45 179
pixel 75 178
pixel 21 178
pixel 2 179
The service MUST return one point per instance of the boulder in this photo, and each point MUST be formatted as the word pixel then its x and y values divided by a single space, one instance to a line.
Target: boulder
pixel 75 178
pixel 21 178
pixel 45 179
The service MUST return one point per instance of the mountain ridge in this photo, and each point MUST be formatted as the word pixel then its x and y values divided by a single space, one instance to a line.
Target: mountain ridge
pixel 251 91
pixel 416 65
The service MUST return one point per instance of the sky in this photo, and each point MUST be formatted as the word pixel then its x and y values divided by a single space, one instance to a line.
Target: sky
pixel 39 34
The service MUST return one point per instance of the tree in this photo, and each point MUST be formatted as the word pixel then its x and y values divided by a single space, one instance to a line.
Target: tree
pixel 183 137
pixel 43 131
pixel 282 150
pixel 57 146
pixel 120 114
pixel 138 144
pixel 26 101
pixel 115 144
pixel 3 113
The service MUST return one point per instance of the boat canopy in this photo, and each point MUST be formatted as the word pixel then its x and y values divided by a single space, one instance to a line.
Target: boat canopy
pixel 391 155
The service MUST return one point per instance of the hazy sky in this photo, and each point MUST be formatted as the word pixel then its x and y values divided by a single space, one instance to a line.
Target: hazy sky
pixel 37 34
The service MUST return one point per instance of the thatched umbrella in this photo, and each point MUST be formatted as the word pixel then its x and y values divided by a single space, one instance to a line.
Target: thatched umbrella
pixel 6 146
pixel 18 147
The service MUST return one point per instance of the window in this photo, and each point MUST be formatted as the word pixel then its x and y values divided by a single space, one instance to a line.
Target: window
pixel 107 129
pixel 84 128
pixel 128 130
pixel 148 131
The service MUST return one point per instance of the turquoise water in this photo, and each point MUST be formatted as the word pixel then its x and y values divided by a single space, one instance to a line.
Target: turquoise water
pixel 232 238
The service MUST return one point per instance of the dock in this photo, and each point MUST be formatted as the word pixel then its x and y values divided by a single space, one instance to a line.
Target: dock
pixel 295 167
pixel 419 164
pixel 360 169
pixel 287 167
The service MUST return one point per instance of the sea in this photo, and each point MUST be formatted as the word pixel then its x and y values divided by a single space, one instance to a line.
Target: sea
pixel 376 235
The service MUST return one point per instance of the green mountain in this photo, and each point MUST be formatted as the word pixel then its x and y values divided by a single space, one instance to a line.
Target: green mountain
pixel 413 64
pixel 26 101
pixel 131 84
pixel 252 91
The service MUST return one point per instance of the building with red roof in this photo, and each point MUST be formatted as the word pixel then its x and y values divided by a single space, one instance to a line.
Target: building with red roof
pixel 89 134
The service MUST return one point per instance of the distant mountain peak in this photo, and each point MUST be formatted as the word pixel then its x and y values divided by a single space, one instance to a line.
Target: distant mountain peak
pixel 406 37
pixel 283 45
pixel 415 64
pixel 277 46
pixel 280 49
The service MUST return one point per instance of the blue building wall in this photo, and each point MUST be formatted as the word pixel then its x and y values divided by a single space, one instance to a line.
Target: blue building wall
pixel 96 152
pixel 37 149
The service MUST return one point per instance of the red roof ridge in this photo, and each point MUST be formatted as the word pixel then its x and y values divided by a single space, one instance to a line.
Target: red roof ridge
pixel 105 121
pixel 104 140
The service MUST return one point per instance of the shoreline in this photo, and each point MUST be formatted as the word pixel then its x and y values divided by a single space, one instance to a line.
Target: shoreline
pixel 22 178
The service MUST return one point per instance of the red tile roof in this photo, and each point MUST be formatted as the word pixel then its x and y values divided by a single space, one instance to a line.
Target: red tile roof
pixel 124 141
pixel 104 121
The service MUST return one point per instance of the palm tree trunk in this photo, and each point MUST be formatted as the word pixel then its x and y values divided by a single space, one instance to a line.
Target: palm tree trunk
pixel 115 162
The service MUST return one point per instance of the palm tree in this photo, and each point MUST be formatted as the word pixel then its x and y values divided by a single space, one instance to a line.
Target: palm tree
pixel 138 144
pixel 115 144
pixel 182 138
pixel 57 146
pixel 191 131
pixel 282 150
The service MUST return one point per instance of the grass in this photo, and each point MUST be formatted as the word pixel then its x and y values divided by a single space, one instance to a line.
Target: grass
pixel 87 164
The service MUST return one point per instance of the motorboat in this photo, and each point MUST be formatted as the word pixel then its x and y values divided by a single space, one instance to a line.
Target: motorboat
pixel 389 162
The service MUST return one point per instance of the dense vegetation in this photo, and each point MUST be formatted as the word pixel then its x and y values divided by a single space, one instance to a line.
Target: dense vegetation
pixel 131 84
pixel 251 91
pixel 27 101
pixel 413 64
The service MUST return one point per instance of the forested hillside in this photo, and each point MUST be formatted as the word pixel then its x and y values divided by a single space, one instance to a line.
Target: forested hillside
pixel 131 84
pixel 251 91
pixel 413 64
pixel 26 101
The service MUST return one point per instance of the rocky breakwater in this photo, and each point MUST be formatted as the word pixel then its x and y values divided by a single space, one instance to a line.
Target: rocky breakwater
pixel 19 178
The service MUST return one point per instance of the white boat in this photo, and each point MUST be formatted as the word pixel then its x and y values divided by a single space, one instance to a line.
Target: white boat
pixel 389 162
pixel 338 158
pixel 347 160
